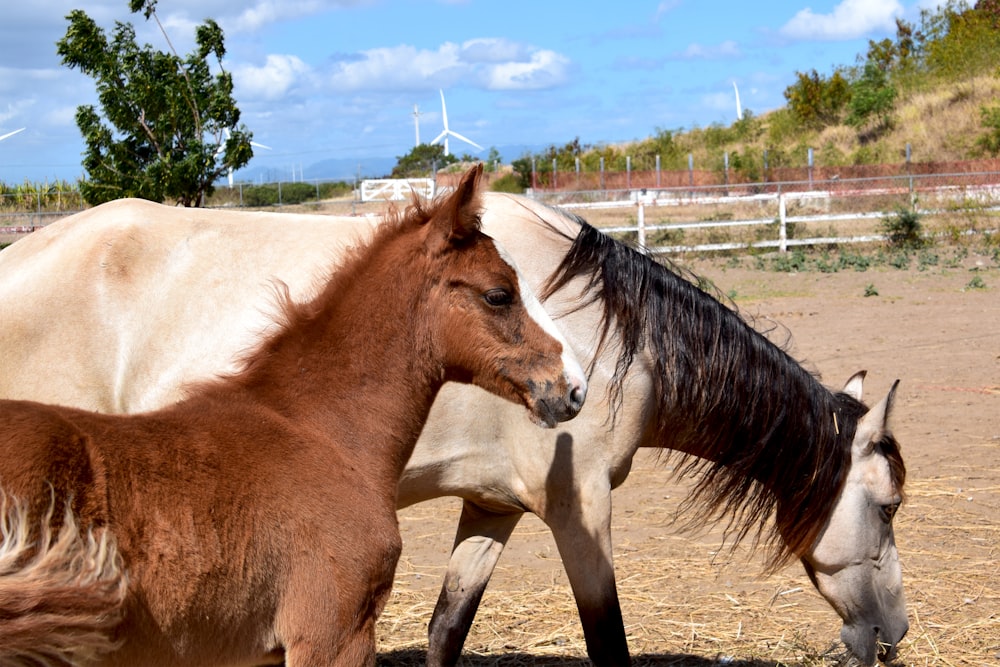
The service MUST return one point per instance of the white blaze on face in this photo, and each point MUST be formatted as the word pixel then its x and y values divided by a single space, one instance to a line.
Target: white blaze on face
pixel 572 370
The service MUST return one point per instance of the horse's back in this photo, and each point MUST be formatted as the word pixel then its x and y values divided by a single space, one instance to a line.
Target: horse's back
pixel 128 301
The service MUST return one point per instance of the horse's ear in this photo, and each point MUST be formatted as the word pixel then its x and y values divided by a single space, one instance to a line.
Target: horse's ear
pixel 873 425
pixel 461 210
pixel 854 387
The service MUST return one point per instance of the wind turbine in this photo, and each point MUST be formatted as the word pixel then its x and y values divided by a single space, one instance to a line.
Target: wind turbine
pixel 416 123
pixel 222 147
pixel 447 132
pixel 11 134
pixel 739 109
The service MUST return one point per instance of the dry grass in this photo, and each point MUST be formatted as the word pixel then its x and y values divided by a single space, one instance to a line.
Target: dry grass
pixel 942 124
pixel 687 605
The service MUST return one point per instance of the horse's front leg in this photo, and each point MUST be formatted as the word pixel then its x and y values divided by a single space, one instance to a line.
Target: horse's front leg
pixel 479 542
pixel 357 649
pixel 327 615
pixel 582 531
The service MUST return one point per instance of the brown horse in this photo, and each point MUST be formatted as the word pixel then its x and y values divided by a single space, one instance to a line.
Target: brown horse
pixel 254 522
pixel 120 307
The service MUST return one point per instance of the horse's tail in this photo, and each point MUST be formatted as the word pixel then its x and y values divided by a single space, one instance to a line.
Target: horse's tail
pixel 61 597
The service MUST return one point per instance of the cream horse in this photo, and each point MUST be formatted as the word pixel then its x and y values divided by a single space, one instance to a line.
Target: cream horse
pixel 118 308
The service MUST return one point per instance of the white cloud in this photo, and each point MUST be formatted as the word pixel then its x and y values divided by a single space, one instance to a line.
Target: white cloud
pixel 273 80
pixel 848 20
pixel 495 64
pixel 544 69
pixel 393 67
pixel 264 13
pixel 727 49
pixel 665 7
pixel 493 50
pixel 267 12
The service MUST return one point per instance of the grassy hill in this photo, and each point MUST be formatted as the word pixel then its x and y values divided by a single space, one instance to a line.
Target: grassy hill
pixel 935 86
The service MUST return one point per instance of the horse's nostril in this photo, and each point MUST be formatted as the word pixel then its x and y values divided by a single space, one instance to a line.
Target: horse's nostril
pixel 577 396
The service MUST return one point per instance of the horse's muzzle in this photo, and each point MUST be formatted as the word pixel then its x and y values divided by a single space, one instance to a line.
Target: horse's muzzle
pixel 554 403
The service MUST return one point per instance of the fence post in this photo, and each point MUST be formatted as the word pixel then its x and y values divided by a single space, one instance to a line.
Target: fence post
pixel 657 171
pixel 909 172
pixel 641 226
pixel 628 172
pixel 691 172
pixel 782 229
pixel 725 161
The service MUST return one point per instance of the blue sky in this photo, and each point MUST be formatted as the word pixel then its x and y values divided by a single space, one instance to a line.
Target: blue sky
pixel 321 79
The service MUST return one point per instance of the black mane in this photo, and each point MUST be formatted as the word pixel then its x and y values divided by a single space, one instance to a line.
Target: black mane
pixel 766 436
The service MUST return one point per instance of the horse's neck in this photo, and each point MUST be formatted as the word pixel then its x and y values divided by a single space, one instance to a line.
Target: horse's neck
pixel 357 371
pixel 738 397
pixel 730 416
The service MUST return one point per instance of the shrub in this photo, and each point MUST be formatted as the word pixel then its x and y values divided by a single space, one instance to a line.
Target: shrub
pixel 334 189
pixel 900 260
pixel 790 262
pixel 976 283
pixel 510 183
pixel 903 229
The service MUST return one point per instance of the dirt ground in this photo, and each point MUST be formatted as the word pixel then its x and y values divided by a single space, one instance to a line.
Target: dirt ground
pixel 686 603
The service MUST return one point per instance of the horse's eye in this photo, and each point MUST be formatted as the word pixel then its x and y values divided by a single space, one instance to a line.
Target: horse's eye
pixel 888 511
pixel 498 297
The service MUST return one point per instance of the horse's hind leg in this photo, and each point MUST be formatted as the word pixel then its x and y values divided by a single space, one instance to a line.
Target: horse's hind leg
pixel 479 542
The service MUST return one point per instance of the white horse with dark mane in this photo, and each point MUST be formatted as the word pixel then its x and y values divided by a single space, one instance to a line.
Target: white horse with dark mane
pixel 118 308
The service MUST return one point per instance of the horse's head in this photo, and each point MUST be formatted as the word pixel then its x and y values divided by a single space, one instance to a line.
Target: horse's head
pixel 854 563
pixel 492 330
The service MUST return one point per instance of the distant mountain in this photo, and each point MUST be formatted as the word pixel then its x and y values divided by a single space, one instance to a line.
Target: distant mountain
pixel 348 169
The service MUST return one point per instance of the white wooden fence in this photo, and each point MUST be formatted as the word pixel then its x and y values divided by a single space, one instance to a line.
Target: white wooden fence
pixel 396 189
pixel 641 202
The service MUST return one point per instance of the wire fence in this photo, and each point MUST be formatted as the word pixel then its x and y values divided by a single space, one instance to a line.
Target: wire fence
pixel 844 211
pixel 810 206
pixel 769 179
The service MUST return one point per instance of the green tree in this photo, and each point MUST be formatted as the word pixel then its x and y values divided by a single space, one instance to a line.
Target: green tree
pixel 817 101
pixel 522 171
pixel 170 127
pixel 989 9
pixel 872 97
pixel 959 42
pixel 749 128
pixel 494 158
pixel 422 161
